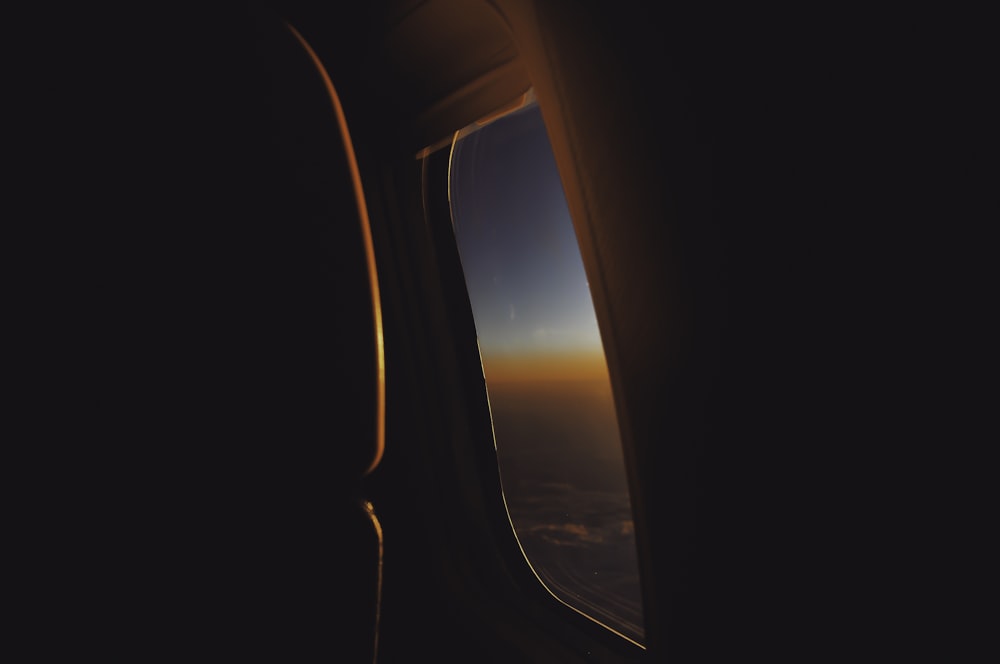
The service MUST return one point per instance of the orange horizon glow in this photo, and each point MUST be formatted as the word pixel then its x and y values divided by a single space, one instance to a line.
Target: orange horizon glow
pixel 546 367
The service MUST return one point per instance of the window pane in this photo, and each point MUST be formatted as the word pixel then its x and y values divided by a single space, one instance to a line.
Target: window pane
pixel 554 421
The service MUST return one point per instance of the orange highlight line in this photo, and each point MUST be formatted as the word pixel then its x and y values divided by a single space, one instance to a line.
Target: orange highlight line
pixel 366 233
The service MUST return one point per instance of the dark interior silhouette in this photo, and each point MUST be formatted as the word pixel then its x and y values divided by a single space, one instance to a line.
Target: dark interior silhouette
pixel 252 438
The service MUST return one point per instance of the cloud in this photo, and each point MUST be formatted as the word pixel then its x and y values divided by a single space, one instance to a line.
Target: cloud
pixel 567 534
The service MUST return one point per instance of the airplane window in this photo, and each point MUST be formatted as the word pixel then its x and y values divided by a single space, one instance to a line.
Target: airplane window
pixel 555 428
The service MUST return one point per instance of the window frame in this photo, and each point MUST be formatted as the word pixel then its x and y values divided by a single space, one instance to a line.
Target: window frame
pixel 573 627
pixel 528 103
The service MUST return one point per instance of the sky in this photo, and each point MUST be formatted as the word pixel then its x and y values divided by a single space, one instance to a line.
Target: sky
pixel 525 277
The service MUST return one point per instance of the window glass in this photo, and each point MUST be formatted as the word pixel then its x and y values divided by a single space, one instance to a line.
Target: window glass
pixel 555 428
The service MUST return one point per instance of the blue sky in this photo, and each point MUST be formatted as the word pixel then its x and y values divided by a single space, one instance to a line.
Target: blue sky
pixel 522 263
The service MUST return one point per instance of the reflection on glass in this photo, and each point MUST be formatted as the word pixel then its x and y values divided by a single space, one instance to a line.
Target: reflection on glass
pixel 554 421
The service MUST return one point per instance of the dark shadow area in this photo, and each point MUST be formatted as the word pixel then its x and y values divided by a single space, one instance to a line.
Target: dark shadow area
pixel 178 364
